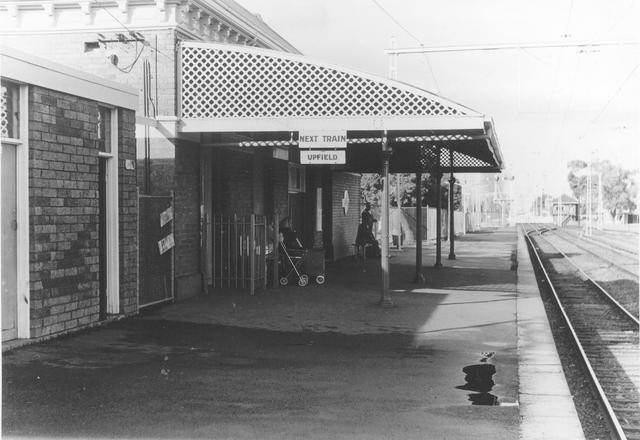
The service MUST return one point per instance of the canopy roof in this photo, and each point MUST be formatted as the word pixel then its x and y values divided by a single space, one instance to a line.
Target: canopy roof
pixel 251 97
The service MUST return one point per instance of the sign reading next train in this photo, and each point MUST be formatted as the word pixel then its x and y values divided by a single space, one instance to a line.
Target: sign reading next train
pixel 322 147
pixel 322 139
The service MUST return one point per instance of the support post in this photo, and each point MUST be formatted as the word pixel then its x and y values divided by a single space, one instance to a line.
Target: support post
pixel 452 180
pixel 399 225
pixel 251 250
pixel 419 279
pixel 275 282
pixel 385 299
pixel 438 264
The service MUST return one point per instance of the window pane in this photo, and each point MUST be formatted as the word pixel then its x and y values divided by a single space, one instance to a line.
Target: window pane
pixel 104 129
pixel 296 178
pixel 9 110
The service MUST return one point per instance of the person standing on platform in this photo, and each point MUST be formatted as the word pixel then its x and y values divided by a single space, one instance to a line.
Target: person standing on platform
pixel 365 231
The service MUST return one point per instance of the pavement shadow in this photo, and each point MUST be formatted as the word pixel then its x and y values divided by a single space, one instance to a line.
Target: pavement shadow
pixel 479 378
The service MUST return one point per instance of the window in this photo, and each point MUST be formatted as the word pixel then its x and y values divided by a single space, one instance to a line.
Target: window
pixel 9 110
pixel 296 178
pixel 104 130
pixel 107 129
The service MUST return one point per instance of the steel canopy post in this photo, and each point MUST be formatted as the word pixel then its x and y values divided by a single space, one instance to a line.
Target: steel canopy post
pixel 452 180
pixel 438 264
pixel 385 299
pixel 419 279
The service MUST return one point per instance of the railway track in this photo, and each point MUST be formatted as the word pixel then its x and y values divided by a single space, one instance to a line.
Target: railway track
pixel 604 332
pixel 626 241
pixel 622 243
pixel 603 264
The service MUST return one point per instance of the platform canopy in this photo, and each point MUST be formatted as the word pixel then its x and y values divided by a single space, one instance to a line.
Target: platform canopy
pixel 251 97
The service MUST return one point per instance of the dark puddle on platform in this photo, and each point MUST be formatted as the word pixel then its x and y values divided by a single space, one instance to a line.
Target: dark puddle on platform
pixel 479 378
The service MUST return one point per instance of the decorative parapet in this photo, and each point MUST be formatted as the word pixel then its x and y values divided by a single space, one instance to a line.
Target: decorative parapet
pixel 199 20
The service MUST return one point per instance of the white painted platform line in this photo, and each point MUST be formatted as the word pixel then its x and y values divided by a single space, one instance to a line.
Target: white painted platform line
pixel 547 410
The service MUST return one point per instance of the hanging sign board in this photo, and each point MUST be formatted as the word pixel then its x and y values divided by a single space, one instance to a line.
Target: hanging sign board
pixel 324 140
pixel 323 157
pixel 281 153
pixel 166 243
pixel 166 216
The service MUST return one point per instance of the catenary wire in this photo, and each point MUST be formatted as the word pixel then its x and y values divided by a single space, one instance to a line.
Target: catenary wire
pixel 426 58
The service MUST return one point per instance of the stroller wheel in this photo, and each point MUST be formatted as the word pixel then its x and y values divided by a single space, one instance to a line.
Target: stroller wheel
pixel 303 281
pixel 305 277
pixel 320 279
pixel 284 281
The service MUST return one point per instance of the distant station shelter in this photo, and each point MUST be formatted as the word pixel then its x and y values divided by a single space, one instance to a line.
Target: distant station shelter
pixel 327 117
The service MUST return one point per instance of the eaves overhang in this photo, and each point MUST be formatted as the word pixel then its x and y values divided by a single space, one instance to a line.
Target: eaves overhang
pixel 250 92
pixel 26 68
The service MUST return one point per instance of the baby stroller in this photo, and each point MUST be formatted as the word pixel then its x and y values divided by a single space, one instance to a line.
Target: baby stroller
pixel 292 262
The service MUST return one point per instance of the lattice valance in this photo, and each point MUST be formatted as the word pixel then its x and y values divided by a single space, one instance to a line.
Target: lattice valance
pixel 224 81
pixel 432 156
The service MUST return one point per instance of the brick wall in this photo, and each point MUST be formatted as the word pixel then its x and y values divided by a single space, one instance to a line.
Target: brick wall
pixel 69 49
pixel 279 177
pixel 187 220
pixel 345 227
pixel 64 212
pixel 128 212
pixel 257 182
pixel 233 182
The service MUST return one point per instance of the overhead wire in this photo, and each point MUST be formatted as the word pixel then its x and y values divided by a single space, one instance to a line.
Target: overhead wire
pixel 155 49
pixel 611 98
pixel 557 69
pixel 569 102
pixel 575 74
pixel 426 58
pixel 145 44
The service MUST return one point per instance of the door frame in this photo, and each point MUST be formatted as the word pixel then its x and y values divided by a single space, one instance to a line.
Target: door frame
pixel 21 144
pixel 112 216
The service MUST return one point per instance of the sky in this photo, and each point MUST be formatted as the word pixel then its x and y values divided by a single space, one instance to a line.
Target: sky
pixel 549 105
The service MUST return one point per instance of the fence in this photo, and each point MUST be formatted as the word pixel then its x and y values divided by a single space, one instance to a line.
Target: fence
pixel 239 248
pixel 407 220
pixel 155 251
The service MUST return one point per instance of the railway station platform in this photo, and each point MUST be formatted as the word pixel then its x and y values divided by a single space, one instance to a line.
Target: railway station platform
pixel 485 301
pixel 467 355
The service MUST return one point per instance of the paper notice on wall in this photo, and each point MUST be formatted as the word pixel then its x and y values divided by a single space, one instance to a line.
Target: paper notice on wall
pixel 166 243
pixel 166 216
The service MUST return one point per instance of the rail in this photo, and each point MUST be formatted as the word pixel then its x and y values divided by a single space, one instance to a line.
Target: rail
pixel 613 419
pixel 595 254
pixel 596 284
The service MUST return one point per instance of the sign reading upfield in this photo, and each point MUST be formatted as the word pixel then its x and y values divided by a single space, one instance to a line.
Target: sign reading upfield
pixel 323 147
pixel 324 140
pixel 322 157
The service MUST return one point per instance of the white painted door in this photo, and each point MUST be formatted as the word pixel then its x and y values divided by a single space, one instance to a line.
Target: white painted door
pixel 9 228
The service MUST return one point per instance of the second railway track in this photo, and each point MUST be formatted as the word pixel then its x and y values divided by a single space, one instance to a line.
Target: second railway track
pixel 605 335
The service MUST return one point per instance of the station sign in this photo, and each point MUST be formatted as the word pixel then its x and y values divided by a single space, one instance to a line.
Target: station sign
pixel 322 139
pixel 323 157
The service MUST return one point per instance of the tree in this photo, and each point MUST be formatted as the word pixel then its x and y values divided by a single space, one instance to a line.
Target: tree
pixel 371 185
pixel 619 190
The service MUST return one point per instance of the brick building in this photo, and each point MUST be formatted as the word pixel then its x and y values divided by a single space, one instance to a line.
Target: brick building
pixel 223 100
pixel 137 43
pixel 69 200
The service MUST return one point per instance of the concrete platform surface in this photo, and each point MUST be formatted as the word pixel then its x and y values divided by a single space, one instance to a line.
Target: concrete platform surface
pixel 316 362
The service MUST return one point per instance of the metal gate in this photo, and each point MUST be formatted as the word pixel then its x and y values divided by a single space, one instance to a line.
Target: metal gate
pixel 155 251
pixel 239 251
